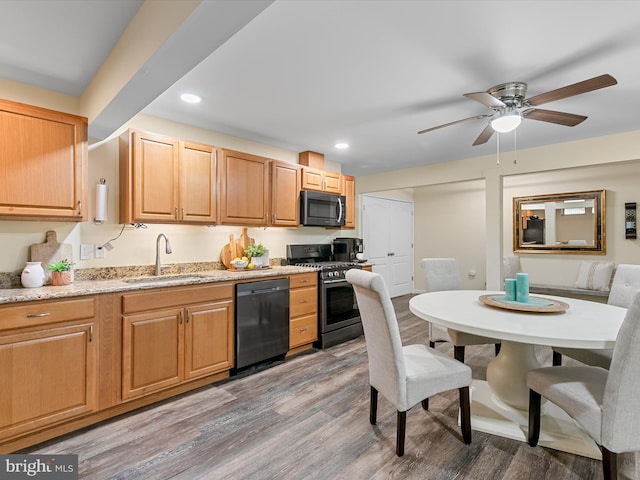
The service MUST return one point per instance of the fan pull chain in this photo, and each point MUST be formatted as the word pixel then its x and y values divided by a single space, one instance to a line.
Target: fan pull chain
pixel 515 146
pixel 497 148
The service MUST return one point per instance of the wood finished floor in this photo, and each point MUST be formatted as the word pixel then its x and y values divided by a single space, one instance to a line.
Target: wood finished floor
pixel 307 418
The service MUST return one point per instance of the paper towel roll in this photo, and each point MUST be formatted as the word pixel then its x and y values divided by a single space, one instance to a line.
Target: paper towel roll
pixel 102 195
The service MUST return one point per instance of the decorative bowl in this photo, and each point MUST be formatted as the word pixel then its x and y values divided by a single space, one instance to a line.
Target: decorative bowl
pixel 239 264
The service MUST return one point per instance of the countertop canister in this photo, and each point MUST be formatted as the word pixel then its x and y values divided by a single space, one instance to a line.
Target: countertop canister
pixel 32 275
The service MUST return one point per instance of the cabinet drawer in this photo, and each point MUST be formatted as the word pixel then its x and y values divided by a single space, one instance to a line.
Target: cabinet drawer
pixel 303 280
pixel 175 296
pixel 303 301
pixel 303 330
pixel 40 313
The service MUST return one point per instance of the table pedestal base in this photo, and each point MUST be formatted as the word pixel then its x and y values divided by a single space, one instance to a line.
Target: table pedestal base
pixel 558 430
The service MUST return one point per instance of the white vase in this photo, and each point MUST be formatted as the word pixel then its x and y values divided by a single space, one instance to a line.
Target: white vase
pixel 32 275
pixel 261 261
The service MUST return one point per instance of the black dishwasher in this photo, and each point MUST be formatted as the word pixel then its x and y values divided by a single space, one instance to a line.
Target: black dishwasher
pixel 262 321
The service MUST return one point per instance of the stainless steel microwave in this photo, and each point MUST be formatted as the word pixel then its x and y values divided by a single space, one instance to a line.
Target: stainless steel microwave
pixel 319 209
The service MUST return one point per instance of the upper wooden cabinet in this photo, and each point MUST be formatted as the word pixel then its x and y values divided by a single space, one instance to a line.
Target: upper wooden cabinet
pixel 43 160
pixel 244 188
pixel 285 194
pixel 165 180
pixel 349 191
pixel 321 180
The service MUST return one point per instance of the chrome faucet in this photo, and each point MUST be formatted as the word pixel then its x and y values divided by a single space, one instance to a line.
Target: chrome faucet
pixel 168 250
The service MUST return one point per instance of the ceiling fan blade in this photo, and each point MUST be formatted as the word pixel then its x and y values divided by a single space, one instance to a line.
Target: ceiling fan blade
pixel 561 118
pixel 486 99
pixel 585 86
pixel 484 136
pixel 477 117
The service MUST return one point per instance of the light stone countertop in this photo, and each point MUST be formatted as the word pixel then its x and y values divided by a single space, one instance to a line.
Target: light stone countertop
pixel 92 287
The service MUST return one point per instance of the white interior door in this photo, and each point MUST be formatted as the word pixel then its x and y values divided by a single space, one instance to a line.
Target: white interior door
pixel 387 231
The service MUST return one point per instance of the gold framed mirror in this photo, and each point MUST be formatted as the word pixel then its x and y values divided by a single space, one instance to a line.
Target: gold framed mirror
pixel 571 223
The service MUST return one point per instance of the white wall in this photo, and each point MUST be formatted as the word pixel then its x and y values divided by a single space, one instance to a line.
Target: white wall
pixel 449 222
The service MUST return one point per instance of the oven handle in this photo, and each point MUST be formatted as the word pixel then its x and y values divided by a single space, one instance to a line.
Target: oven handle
pixel 335 281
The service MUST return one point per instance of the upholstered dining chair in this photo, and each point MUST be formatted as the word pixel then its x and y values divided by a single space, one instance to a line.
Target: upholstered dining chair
pixel 625 285
pixel 604 403
pixel 443 274
pixel 405 375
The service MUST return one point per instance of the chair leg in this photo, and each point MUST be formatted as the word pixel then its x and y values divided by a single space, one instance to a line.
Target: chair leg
pixel 465 415
pixel 402 424
pixel 534 417
pixel 497 347
pixel 458 353
pixel 425 404
pixel 557 359
pixel 609 464
pixel 373 407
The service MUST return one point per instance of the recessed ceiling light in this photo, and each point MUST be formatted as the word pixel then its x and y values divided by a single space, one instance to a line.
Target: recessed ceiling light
pixel 342 146
pixel 190 98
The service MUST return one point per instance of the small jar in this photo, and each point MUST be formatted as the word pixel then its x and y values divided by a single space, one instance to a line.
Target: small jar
pixel 32 275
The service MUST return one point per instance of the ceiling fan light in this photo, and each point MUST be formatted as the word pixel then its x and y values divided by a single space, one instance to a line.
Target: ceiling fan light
pixel 506 123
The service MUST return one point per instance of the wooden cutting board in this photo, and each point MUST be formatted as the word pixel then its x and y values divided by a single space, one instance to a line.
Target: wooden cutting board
pixel 228 252
pixel 50 251
pixel 243 242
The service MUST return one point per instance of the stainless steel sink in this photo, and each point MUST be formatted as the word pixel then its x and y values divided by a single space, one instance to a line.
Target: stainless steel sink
pixel 163 278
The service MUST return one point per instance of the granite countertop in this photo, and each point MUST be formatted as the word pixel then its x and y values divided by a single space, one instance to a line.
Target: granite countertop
pixel 120 283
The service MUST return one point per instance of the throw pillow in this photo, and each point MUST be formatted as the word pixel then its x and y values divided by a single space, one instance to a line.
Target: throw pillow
pixel 594 275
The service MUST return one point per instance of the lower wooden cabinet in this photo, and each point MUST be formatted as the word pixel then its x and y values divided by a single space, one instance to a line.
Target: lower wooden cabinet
pixel 177 341
pixel 48 367
pixel 303 310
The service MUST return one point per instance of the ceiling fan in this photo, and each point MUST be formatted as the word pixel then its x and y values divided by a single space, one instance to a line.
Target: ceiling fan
pixel 509 106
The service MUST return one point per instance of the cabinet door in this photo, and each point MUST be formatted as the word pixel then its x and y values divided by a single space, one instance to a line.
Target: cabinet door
pixel 244 189
pixel 349 191
pixel 46 376
pixel 209 339
pixel 312 179
pixel 43 160
pixel 152 346
pixel 333 182
pixel 285 194
pixel 198 184
pixel 155 178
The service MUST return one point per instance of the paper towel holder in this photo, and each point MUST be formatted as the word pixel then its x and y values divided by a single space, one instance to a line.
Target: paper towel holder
pixel 102 192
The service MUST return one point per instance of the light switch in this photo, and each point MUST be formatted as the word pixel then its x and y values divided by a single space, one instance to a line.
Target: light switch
pixel 86 251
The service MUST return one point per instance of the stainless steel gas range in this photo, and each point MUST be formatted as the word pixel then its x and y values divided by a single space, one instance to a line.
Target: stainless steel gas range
pixel 338 317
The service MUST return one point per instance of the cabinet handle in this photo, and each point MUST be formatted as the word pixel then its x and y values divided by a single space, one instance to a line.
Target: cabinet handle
pixel 175 215
pixel 91 333
pixel 36 315
pixel 303 300
pixel 181 317
pixel 79 207
pixel 304 280
pixel 188 317
pixel 275 217
pixel 303 329
pixel 182 213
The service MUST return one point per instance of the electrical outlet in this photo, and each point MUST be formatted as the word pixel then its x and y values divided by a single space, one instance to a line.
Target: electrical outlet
pixel 99 251
pixel 86 251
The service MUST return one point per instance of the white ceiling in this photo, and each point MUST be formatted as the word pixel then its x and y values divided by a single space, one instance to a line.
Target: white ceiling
pixel 303 75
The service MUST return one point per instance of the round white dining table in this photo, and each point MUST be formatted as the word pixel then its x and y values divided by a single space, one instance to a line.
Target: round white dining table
pixel 584 324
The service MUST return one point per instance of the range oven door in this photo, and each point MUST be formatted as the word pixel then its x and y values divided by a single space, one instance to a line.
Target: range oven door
pixel 338 306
